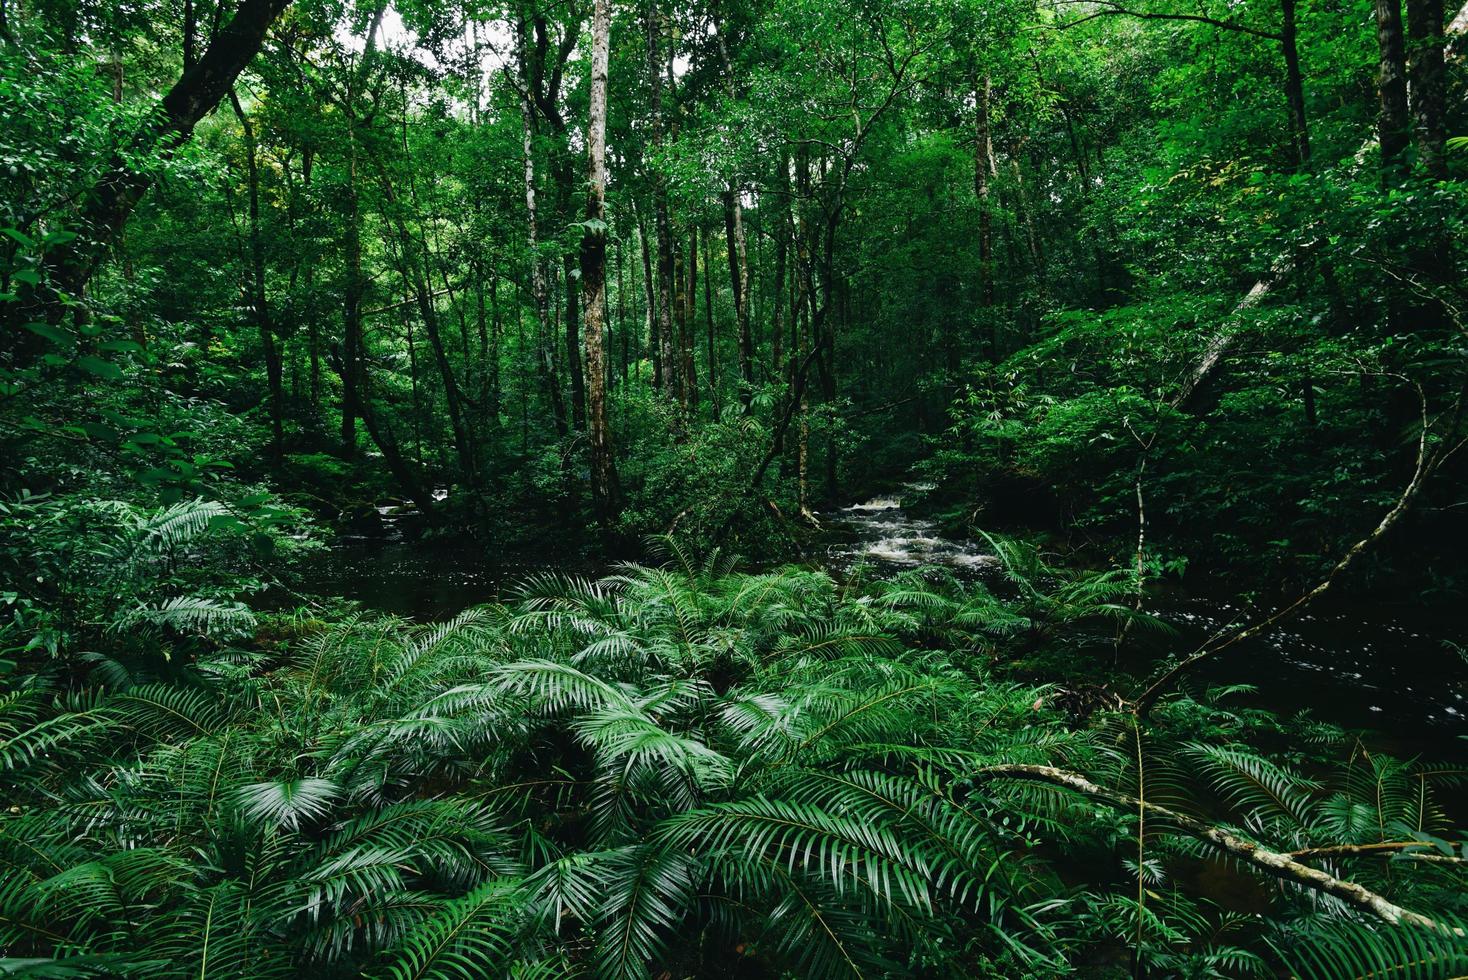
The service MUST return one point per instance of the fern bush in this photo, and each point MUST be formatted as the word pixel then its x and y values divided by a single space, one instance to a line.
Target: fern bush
pixel 141 581
pixel 669 771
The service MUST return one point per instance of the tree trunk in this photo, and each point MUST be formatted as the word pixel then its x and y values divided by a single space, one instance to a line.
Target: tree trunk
pixel 594 272
pixel 257 293
pixel 197 92
pixel 538 288
pixel 572 334
pixel 650 305
pixel 983 172
pixel 1393 128
pixel 356 283
pixel 738 251
pixel 689 327
pixel 1294 85
pixel 662 222
pixel 1426 73
pixel 708 316
pixel 417 280
pixel 622 330
pixel 739 287
pixel 777 309
pixel 351 351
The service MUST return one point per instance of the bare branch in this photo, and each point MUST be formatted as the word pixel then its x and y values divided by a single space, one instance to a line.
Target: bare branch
pixel 1273 863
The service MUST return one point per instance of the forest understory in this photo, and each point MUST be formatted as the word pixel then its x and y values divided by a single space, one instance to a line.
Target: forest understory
pixel 712 489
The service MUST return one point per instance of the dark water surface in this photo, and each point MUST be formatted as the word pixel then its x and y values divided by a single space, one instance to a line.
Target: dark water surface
pixel 1371 666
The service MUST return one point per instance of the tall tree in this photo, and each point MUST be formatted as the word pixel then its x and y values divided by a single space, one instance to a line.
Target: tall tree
pixel 737 248
pixel 1427 84
pixel 258 299
pixel 540 292
pixel 594 271
pixel 110 201
pixel 662 221
pixel 1393 128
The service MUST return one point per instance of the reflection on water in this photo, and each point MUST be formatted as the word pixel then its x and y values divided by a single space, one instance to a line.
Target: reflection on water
pixel 387 565
pixel 1366 668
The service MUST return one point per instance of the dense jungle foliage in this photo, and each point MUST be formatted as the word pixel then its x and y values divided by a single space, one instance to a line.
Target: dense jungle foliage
pixel 1124 301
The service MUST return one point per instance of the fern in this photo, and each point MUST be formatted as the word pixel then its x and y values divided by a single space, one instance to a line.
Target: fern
pixel 466 939
pixel 1343 949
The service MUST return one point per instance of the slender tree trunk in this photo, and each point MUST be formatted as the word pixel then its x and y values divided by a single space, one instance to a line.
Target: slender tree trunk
pixel 622 329
pixel 984 173
pixel 1427 77
pixel 313 324
pixel 738 251
pixel 428 314
pixel 351 352
pixel 650 305
pixel 258 298
pixel 1294 85
pixel 661 219
pixel 680 326
pixel 782 242
pixel 1393 128
pixel 572 334
pixel 708 316
pixel 739 287
pixel 402 471
pixel 352 371
pixel 666 337
pixel 594 272
pixel 689 327
pixel 1032 241
pixel 497 343
pixel 489 413
pixel 538 288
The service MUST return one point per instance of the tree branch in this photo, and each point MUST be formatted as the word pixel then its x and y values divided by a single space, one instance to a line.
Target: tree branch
pixel 1425 465
pixel 1273 863
pixel 1116 10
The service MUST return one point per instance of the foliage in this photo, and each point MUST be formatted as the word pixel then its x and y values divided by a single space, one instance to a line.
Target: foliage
pixel 589 778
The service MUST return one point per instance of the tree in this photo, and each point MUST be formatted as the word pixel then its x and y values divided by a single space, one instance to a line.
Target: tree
pixel 594 270
pixel 197 92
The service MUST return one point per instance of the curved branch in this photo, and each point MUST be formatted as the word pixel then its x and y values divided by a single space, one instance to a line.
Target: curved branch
pixel 1426 464
pixel 1115 10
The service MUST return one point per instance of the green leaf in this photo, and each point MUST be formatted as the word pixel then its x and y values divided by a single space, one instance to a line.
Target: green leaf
pixel 19 237
pixel 100 368
pixel 54 334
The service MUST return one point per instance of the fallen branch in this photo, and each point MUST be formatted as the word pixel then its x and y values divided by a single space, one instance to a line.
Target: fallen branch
pixel 1391 848
pixel 1109 9
pixel 1223 339
pixel 413 299
pixel 1273 863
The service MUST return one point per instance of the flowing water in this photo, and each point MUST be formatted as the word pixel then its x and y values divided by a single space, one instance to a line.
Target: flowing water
pixel 879 534
pixel 1370 666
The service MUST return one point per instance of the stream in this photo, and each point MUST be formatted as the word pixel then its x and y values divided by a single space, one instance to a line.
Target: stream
pixel 1371 666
